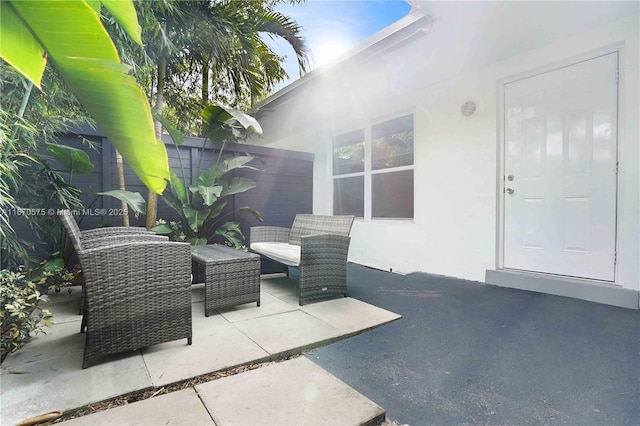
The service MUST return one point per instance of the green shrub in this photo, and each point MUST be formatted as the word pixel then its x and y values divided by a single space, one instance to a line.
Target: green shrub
pixel 19 311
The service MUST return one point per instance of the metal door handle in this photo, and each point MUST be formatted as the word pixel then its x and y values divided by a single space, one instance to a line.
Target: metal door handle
pixel 509 191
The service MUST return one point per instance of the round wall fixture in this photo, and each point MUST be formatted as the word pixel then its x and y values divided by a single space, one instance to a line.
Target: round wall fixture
pixel 468 109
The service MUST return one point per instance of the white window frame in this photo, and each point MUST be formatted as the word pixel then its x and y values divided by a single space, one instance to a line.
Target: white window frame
pixel 368 170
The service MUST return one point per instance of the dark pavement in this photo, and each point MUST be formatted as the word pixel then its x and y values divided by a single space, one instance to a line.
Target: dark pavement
pixel 469 353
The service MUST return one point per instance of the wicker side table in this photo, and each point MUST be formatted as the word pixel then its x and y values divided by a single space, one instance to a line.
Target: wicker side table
pixel 231 277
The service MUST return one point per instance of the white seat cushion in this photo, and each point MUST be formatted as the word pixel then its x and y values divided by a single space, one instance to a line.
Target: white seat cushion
pixel 286 253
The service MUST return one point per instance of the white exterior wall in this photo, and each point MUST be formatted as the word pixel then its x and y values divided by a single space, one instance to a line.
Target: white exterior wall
pixel 455 229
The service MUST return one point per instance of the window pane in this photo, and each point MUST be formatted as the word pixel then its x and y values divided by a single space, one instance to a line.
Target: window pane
pixel 392 194
pixel 392 143
pixel 348 152
pixel 348 196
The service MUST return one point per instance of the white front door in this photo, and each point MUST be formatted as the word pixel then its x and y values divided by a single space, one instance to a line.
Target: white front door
pixel 560 170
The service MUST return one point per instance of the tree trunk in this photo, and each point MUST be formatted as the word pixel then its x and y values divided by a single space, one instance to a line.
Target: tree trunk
pixel 152 199
pixel 205 82
pixel 122 187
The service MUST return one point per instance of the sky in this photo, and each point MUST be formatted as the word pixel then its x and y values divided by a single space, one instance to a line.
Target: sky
pixel 332 27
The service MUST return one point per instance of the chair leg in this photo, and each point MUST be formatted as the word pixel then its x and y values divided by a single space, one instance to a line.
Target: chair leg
pixel 189 340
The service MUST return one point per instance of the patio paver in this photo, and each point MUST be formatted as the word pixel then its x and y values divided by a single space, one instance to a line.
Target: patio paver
pixel 177 408
pixel 269 305
pixel 349 315
pixel 59 383
pixel 308 396
pixel 288 332
pixel 217 345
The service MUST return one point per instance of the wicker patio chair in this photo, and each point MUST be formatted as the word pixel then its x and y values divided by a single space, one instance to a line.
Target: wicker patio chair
pixel 101 237
pixel 137 294
pixel 77 235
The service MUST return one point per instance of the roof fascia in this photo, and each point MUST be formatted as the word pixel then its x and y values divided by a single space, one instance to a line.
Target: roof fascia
pixel 416 23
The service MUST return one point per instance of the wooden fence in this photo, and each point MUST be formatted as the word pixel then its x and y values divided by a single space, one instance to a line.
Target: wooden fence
pixel 284 186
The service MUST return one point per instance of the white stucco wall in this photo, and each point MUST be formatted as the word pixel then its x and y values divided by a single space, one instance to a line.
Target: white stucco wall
pixel 455 228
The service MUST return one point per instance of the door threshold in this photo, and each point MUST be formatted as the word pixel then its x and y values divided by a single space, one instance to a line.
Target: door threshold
pixel 577 288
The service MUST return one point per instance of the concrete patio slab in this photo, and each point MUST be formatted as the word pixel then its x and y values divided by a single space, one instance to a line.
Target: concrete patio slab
pixel 60 340
pixel 67 311
pixel 284 288
pixel 350 315
pixel 217 345
pixel 59 384
pixel 177 408
pixel 295 392
pixel 289 332
pixel 269 305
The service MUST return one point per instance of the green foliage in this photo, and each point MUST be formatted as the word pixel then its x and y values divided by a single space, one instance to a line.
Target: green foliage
pixel 172 229
pixel 51 275
pixel 73 159
pixel 133 199
pixel 200 205
pixel 85 56
pixel 200 208
pixel 28 183
pixel 19 310
pixel 214 51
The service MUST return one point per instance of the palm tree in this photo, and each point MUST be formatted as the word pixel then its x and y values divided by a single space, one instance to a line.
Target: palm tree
pixel 198 45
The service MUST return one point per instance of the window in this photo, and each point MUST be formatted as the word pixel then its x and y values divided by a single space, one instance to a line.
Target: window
pixel 373 170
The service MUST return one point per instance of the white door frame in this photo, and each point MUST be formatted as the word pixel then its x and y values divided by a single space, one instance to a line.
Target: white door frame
pixel 500 150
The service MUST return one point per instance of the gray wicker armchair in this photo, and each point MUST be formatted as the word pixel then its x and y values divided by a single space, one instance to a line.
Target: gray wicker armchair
pixel 77 236
pixel 137 294
pixel 92 238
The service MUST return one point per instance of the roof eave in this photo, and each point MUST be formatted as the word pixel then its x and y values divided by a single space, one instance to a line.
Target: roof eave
pixel 416 21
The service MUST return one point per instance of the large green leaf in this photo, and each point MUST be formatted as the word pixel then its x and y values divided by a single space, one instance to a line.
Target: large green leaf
pixel 209 194
pixel 252 211
pixel 215 119
pixel 216 208
pixel 222 123
pixel 18 46
pixel 195 217
pixel 237 185
pixel 71 34
pixel 51 265
pixel 73 159
pixel 231 232
pixel 133 199
pixel 178 186
pixel 172 201
pixel 210 176
pixel 246 121
pixel 175 134
pixel 195 241
pixel 125 14
pixel 163 228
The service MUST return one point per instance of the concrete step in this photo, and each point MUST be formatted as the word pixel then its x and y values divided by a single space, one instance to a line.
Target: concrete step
pixel 294 392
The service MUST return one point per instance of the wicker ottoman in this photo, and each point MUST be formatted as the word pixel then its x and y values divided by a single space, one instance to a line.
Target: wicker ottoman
pixel 231 277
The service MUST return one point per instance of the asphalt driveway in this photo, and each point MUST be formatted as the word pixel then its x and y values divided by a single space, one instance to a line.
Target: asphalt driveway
pixel 469 353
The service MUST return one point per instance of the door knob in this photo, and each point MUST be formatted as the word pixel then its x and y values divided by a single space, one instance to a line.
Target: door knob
pixel 509 191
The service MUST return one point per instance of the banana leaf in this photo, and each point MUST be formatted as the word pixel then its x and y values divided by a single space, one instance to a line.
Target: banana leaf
pixel 134 200
pixel 237 185
pixel 195 217
pixel 73 159
pixel 70 34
